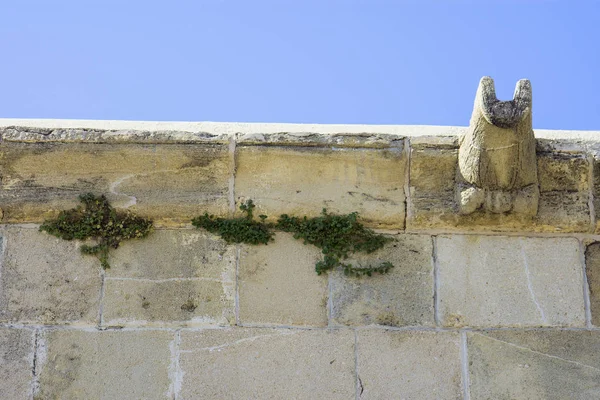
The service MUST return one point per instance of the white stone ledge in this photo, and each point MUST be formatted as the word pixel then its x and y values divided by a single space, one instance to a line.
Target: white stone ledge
pixel 228 128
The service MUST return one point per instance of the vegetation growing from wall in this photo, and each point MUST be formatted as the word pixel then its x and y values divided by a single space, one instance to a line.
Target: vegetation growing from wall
pixel 238 230
pixel 96 219
pixel 338 236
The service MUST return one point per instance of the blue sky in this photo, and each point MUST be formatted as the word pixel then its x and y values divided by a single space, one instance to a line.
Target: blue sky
pixel 321 61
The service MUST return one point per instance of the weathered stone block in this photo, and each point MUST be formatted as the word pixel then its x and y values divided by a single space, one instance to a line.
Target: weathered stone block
pixel 278 284
pixel 170 183
pixel 173 277
pixel 104 365
pixel 16 360
pixel 303 181
pixel 402 297
pixel 592 265
pixel 509 281
pixel 242 363
pixel 409 365
pixel 184 302
pixel 46 280
pixel 166 254
pixel 544 365
pixel 563 202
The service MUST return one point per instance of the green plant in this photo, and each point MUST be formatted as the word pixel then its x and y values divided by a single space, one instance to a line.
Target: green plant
pixel 96 219
pixel 238 230
pixel 337 236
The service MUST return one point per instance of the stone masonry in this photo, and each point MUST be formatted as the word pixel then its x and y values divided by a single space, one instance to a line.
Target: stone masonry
pixel 484 305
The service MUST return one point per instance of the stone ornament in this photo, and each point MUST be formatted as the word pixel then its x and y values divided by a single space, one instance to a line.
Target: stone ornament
pixel 497 168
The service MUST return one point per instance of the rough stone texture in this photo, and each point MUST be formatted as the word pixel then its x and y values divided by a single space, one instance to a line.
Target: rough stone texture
pixel 409 365
pixel 303 181
pixel 403 296
pixel 312 138
pixel 47 280
pixel 534 365
pixel 278 284
pixel 170 183
pixel 596 186
pixel 497 160
pixel 16 360
pixel 104 365
pixel 169 254
pixel 509 281
pixel 168 303
pixel 592 264
pixel 173 277
pixel 563 202
pixel 243 363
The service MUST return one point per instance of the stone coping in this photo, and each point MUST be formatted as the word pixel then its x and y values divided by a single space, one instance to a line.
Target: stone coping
pixel 166 131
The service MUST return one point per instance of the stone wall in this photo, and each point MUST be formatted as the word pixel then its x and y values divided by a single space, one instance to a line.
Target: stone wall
pixel 478 306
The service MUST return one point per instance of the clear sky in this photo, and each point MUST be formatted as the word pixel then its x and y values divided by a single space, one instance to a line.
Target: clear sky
pixel 311 61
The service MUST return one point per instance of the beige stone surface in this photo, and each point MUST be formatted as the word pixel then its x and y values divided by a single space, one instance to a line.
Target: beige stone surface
pixel 563 203
pixel 509 281
pixel 409 365
pixel 402 297
pixel 278 284
pixel 47 280
pixel 169 254
pixel 170 183
pixel 534 365
pixel 250 363
pixel 168 303
pixel 104 365
pixel 303 181
pixel 16 360
pixel 592 265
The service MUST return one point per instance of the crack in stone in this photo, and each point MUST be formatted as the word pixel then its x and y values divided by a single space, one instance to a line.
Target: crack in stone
pixel 530 285
pixel 248 339
pixel 538 352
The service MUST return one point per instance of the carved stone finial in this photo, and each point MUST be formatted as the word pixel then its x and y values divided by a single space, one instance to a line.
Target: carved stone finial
pixel 497 167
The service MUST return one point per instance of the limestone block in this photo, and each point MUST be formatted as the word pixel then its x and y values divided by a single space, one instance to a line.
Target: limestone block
pixel 408 365
pixel 592 264
pixel 16 360
pixel 168 303
pixel 46 280
pixel 251 363
pixel 167 254
pixel 402 297
pixel 534 364
pixel 104 365
pixel 303 181
pixel 432 175
pixel 171 278
pixel 490 281
pixel 278 284
pixel 563 199
pixel 171 183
